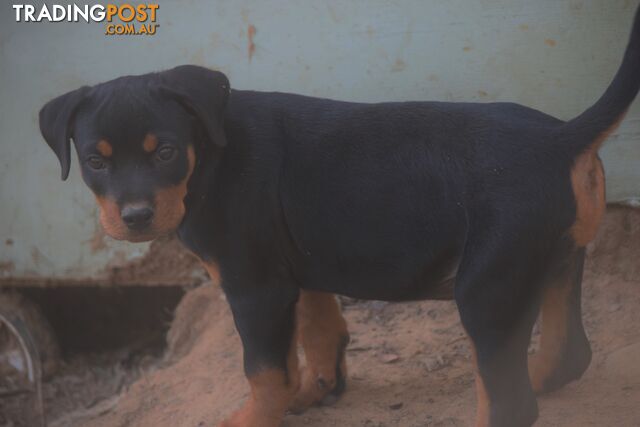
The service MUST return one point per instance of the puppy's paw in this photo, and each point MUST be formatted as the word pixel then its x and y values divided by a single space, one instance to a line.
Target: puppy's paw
pixel 315 389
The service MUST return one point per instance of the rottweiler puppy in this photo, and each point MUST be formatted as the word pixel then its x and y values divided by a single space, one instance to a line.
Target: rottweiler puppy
pixel 289 199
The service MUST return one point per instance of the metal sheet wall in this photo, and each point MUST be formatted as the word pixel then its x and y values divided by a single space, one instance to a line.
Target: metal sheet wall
pixel 554 55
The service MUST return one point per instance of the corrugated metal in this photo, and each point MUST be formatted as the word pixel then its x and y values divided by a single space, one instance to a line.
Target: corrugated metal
pixel 557 56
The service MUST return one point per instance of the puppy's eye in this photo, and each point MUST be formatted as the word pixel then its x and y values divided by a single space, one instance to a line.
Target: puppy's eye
pixel 165 153
pixel 96 162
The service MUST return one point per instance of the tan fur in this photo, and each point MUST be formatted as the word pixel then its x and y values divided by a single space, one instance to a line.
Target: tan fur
pixel 110 218
pixel 587 180
pixel 588 183
pixel 104 148
pixel 214 272
pixel 554 310
pixel 150 143
pixel 321 331
pixel 169 202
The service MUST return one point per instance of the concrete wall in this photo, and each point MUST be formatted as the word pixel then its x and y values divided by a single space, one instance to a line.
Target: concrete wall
pixel 554 55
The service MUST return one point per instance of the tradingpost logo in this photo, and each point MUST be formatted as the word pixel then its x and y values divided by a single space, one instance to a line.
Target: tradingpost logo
pixel 119 19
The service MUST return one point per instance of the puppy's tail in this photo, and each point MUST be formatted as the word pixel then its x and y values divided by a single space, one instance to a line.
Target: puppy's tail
pixel 592 127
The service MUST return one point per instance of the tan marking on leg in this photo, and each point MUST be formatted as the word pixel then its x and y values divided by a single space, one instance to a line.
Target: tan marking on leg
pixel 483 403
pixel 104 148
pixel 555 312
pixel 214 272
pixel 588 182
pixel 322 331
pixel 169 202
pixel 271 393
pixel 150 143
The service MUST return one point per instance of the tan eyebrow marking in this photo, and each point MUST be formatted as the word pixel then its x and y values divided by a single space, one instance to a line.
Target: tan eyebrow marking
pixel 150 143
pixel 104 148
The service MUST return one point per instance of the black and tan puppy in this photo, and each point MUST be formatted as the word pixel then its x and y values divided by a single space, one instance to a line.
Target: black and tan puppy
pixel 288 199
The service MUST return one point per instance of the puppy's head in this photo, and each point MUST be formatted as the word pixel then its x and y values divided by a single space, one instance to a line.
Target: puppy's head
pixel 136 138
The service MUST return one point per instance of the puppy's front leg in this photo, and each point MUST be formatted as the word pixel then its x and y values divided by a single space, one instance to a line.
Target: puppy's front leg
pixel 265 318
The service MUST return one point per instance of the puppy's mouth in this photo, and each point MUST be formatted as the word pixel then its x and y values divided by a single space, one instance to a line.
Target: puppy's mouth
pixel 139 237
pixel 131 236
pixel 135 236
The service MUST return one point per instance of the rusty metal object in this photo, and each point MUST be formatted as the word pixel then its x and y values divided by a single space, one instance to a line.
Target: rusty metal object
pixel 20 365
pixel 165 263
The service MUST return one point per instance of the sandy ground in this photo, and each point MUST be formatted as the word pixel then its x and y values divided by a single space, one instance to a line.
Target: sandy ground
pixel 409 364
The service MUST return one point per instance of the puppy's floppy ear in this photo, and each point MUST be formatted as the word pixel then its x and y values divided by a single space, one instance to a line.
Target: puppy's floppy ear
pixel 56 124
pixel 203 92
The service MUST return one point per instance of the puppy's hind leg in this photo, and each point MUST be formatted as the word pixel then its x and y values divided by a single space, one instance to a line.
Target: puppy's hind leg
pixel 564 352
pixel 495 294
pixel 322 331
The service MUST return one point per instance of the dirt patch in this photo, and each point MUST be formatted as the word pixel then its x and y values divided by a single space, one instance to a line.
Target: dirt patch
pixel 83 385
pixel 93 341
pixel 409 364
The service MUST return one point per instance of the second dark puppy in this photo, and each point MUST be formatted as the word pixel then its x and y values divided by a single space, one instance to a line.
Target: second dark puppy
pixel 287 199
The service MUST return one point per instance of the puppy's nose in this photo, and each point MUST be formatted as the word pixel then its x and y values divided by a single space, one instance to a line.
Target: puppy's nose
pixel 137 217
